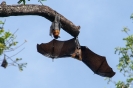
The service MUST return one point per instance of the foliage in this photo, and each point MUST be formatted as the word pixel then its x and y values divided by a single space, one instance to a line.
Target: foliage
pixel 24 1
pixel 125 65
pixel 7 44
pixel 131 16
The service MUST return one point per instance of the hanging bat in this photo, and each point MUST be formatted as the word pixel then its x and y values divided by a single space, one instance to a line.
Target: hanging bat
pixel 4 63
pixel 61 49
pixel 55 27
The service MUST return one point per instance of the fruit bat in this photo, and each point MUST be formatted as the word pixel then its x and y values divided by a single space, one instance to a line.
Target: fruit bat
pixel 55 27
pixel 4 62
pixel 71 48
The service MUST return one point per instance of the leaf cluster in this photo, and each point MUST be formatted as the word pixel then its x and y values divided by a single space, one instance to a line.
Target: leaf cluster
pixel 126 52
pixel 8 44
pixel 125 65
pixel 24 1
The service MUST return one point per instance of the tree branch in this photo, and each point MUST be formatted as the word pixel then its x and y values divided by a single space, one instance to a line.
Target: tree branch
pixel 40 10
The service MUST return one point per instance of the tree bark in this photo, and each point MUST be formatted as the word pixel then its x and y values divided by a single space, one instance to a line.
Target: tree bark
pixel 40 10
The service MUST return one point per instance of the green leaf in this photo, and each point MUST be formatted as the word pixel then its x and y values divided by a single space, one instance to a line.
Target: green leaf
pixel 1 30
pixel 129 80
pixel 18 59
pixel 15 43
pixel 2 40
pixel 7 35
pixel 2 46
pixel 125 29
pixel 1 22
pixel 21 66
pixel 1 51
pixel 20 1
pixel 131 17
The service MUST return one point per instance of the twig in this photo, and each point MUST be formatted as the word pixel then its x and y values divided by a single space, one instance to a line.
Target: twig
pixel 11 36
pixel 17 53
pixel 40 1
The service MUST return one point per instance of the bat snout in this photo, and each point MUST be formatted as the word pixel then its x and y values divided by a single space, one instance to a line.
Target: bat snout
pixel 56 36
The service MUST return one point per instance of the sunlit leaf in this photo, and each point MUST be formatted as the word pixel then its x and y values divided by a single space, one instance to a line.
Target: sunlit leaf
pixel 1 22
pixel 7 35
pixel 2 40
pixel 125 29
pixel 18 59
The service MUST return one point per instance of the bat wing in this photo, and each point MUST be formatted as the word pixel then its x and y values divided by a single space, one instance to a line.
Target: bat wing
pixel 96 63
pixel 60 49
pixel 57 49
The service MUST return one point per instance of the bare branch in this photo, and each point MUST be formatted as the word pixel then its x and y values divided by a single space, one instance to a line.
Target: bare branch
pixel 40 10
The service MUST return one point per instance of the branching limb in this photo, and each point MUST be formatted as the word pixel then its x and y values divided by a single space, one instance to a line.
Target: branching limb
pixel 40 10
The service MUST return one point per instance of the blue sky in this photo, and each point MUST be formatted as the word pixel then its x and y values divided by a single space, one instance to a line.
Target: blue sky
pixel 101 24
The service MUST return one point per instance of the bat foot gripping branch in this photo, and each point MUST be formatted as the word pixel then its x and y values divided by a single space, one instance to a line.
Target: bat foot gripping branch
pixel 77 53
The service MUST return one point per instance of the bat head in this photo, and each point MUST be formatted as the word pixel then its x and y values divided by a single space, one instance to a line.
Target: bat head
pixel 56 33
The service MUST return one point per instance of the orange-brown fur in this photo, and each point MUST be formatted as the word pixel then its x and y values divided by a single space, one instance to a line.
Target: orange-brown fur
pixel 56 33
pixel 77 54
